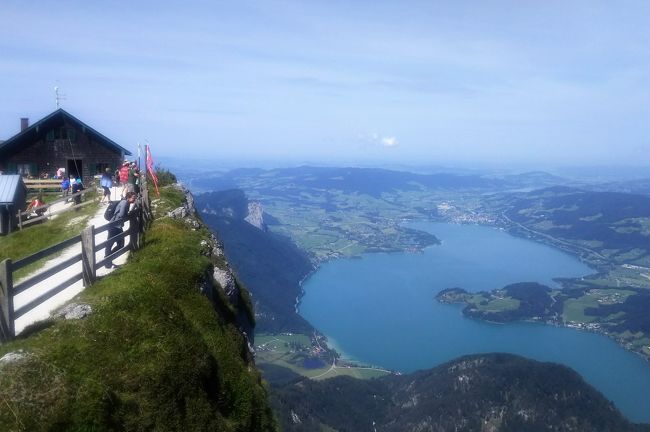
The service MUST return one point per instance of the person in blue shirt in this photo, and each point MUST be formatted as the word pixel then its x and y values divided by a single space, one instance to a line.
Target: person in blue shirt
pixel 106 182
pixel 65 186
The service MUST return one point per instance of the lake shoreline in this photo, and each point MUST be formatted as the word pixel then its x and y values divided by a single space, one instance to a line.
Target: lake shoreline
pixel 357 298
pixel 510 231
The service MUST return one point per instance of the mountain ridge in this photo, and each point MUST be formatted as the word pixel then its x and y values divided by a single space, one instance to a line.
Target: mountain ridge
pixel 481 392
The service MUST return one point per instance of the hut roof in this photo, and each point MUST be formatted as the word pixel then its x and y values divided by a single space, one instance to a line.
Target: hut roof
pixel 39 129
pixel 9 185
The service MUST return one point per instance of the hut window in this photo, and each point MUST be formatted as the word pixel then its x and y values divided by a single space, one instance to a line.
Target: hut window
pixel 62 133
pixel 27 169
pixel 100 168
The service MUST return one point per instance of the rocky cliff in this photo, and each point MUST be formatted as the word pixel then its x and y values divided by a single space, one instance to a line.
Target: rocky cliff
pixel 269 264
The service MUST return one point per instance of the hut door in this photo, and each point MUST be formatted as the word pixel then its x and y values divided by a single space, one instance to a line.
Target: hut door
pixel 75 168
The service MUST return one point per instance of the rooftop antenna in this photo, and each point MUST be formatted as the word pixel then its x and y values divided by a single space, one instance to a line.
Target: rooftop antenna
pixel 58 97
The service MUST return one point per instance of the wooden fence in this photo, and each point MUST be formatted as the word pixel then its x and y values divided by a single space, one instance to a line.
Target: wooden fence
pixel 24 219
pixel 43 184
pixel 139 220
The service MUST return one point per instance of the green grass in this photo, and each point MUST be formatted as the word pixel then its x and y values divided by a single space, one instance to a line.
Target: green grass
pixel 574 309
pixel 280 350
pixel 281 340
pixel 495 305
pixel 154 355
pixel 359 373
pixel 33 238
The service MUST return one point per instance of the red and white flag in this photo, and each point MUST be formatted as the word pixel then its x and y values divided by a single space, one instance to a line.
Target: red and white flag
pixel 150 169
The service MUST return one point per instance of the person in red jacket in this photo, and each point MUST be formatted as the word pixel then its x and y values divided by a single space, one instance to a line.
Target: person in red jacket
pixel 124 176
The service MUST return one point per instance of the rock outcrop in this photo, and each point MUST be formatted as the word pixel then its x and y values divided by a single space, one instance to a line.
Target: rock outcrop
pixel 255 215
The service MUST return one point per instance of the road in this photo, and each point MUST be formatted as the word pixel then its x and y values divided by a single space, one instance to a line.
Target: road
pixel 553 239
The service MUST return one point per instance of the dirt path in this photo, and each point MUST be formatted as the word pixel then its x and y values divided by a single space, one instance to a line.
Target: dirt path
pixel 43 311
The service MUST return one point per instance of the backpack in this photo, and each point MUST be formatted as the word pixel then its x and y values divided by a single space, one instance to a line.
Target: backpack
pixel 110 210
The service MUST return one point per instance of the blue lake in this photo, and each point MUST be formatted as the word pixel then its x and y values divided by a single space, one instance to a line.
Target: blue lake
pixel 380 309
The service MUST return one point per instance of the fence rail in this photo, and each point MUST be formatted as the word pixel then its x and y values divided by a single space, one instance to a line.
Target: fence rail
pixel 139 220
pixel 43 183
pixel 24 219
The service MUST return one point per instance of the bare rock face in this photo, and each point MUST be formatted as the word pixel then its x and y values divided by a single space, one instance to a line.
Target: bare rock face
pixel 74 311
pixel 227 282
pixel 187 211
pixel 12 357
pixel 255 215
pixel 178 213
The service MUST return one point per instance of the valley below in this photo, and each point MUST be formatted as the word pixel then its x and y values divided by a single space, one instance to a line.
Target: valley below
pixel 368 216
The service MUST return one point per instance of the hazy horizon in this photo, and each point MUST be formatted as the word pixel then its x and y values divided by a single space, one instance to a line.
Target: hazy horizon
pixel 496 83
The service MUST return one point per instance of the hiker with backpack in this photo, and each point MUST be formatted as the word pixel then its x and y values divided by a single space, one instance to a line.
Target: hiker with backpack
pixel 116 214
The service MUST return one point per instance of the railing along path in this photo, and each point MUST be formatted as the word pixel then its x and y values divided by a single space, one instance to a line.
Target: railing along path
pixel 138 219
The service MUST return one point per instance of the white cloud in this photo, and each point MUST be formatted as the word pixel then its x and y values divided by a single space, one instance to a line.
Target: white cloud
pixel 376 140
pixel 389 141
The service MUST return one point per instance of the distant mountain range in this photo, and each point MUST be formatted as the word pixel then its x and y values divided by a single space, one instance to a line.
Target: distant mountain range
pixel 640 186
pixel 488 392
pixel 370 181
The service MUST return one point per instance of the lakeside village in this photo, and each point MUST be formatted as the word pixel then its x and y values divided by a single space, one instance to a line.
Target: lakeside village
pixel 454 214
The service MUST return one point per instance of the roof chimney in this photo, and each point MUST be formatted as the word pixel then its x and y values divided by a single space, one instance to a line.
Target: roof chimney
pixel 24 123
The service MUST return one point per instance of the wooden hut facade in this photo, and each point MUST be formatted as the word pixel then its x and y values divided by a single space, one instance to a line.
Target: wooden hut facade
pixel 59 140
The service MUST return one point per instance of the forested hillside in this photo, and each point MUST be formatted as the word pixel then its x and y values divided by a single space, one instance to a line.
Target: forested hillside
pixel 495 392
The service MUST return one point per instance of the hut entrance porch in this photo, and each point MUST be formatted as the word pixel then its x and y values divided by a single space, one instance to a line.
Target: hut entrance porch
pixel 75 168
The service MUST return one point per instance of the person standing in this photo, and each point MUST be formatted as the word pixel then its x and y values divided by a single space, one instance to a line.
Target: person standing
pixel 124 176
pixel 65 186
pixel 115 228
pixel 77 186
pixel 133 178
pixel 106 182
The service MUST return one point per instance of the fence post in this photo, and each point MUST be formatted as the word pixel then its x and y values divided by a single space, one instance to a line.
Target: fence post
pixel 146 207
pixel 134 231
pixel 7 331
pixel 88 255
pixel 20 221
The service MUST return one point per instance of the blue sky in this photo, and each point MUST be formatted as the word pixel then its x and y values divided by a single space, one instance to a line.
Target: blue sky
pixel 427 82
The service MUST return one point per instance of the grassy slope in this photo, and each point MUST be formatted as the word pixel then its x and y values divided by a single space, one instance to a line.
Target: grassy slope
pixel 38 236
pixel 153 355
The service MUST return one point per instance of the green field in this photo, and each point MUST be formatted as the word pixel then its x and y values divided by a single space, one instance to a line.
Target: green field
pixel 574 309
pixel 494 304
pixel 291 350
